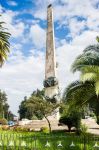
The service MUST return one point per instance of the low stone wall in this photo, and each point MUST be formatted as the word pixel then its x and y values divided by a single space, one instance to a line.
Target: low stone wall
pixel 38 124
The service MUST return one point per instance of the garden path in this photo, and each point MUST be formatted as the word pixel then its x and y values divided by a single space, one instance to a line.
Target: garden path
pixel 93 127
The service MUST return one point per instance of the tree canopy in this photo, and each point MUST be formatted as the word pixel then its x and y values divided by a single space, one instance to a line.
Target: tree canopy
pixel 88 65
pixel 85 91
pixel 4 107
pixel 36 106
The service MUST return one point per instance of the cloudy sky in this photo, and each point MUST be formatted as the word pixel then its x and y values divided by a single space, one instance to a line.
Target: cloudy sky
pixel 76 25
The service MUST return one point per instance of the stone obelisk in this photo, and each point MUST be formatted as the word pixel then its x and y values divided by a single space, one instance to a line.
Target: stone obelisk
pixel 51 81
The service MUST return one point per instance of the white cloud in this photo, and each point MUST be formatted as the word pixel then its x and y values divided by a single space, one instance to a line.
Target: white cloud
pixel 21 76
pixel 64 13
pixel 38 36
pixel 15 28
pixel 76 26
pixel 12 3
pixel 86 38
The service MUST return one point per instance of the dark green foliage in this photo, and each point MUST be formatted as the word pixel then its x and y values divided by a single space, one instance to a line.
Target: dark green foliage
pixel 83 92
pixel 88 65
pixel 78 93
pixel 4 107
pixel 89 58
pixel 26 108
pixel 67 120
pixel 38 93
pixel 94 106
pixel 10 115
pixel 71 119
pixel 36 106
pixel 39 106
pixel 22 109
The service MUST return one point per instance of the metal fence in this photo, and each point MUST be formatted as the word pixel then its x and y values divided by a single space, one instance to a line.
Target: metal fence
pixel 31 142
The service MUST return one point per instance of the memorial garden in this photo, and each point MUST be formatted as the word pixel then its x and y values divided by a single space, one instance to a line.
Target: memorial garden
pixel 50 119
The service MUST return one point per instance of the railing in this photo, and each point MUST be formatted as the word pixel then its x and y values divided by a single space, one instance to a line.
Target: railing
pixel 47 142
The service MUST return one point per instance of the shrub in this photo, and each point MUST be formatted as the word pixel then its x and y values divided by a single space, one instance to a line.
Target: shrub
pixel 45 129
pixel 5 127
pixel 20 129
pixel 84 129
pixel 24 129
pixel 67 120
pixel 3 121
pixel 72 119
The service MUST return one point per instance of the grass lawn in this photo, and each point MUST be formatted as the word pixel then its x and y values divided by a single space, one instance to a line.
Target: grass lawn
pixel 40 141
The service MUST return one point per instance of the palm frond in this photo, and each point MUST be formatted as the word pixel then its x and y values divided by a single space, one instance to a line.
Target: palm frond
pixel 4 43
pixel 90 68
pixel 75 92
pixel 90 76
pixel 89 59
pixel 97 87
pixel 92 48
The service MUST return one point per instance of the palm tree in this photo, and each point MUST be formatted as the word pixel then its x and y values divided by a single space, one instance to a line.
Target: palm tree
pixel 88 65
pixel 4 44
pixel 79 93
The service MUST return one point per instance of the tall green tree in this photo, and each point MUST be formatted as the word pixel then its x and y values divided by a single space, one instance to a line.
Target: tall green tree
pixel 85 91
pixel 80 95
pixel 25 112
pixel 22 109
pixel 4 43
pixel 40 106
pixel 37 106
pixel 4 107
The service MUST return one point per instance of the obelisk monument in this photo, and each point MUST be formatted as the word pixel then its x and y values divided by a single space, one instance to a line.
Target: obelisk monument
pixel 51 82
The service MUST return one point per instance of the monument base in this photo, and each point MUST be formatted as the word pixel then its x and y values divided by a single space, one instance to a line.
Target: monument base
pixel 50 91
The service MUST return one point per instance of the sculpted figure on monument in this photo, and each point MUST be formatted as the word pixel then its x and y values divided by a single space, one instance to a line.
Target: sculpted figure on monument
pixel 51 81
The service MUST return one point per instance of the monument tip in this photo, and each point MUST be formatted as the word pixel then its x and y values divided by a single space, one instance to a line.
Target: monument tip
pixel 50 5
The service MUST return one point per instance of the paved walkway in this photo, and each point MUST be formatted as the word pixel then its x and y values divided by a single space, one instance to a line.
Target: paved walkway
pixel 93 127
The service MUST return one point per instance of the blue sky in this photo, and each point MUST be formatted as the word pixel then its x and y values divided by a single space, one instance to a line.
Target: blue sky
pixel 76 25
